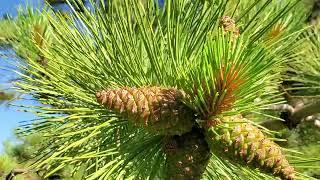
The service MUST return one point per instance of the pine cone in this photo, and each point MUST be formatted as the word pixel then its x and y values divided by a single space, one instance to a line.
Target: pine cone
pixel 244 143
pixel 229 25
pixel 157 109
pixel 187 156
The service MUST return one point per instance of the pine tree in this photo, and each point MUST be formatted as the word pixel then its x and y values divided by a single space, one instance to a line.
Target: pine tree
pixel 139 91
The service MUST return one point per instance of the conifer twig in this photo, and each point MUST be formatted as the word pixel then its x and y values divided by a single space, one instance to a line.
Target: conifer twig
pixel 15 172
pixel 307 110
pixel 282 107
pixel 296 114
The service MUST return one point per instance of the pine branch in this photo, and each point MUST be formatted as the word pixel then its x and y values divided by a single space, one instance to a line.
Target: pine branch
pixel 295 114
pixel 140 45
pixel 302 112
pixel 282 108
pixel 15 172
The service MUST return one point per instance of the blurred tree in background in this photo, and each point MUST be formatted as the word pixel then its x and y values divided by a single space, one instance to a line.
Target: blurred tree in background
pixel 18 157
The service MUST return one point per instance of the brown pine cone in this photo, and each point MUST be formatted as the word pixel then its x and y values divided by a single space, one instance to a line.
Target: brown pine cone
pixel 229 25
pixel 157 109
pixel 186 156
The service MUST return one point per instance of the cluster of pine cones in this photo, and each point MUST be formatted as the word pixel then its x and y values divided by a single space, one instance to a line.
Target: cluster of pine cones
pixel 187 146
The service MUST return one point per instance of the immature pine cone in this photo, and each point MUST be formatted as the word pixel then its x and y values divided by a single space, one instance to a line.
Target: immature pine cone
pixel 244 143
pixel 187 156
pixel 229 25
pixel 157 109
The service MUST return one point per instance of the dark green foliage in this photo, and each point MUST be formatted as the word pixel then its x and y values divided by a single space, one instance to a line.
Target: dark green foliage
pixel 19 156
pixel 306 140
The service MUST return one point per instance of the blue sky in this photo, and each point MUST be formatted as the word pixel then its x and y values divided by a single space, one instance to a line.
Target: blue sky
pixel 10 6
pixel 10 116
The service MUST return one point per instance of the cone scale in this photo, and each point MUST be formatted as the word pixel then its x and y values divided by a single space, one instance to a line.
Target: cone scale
pixel 186 156
pixel 229 25
pixel 238 141
pixel 157 109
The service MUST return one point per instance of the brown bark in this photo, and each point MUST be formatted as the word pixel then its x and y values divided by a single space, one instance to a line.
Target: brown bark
pixel 15 172
pixel 293 115
pixel 307 110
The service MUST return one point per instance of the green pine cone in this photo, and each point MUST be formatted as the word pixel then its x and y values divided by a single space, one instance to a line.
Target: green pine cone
pixel 186 156
pixel 244 143
pixel 157 109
